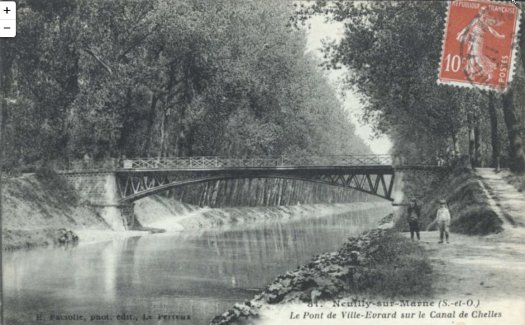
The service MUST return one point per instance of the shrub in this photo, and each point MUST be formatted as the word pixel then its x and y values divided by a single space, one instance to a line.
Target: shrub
pixel 399 267
pixel 477 221
pixel 55 182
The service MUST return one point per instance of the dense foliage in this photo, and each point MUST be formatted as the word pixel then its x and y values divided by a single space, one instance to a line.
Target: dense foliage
pixel 392 51
pixel 165 78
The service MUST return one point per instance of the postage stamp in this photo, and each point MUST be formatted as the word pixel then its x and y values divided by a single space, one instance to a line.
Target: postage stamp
pixel 479 45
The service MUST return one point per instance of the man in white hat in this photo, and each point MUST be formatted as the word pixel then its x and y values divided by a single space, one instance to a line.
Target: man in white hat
pixel 443 220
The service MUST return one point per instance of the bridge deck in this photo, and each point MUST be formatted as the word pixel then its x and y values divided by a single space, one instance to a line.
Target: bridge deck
pixel 283 163
pixel 385 168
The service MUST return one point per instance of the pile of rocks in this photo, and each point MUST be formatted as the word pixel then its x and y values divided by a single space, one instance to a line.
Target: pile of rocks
pixel 328 275
pixel 386 221
pixel 65 237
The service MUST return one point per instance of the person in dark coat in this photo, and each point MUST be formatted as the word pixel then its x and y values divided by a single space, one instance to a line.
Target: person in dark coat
pixel 413 217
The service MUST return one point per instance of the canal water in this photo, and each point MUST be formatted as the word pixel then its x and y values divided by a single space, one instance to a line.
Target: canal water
pixel 174 274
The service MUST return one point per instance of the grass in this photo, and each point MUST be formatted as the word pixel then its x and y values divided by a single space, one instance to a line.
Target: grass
pixel 20 239
pixel 477 221
pixel 399 267
pixel 467 202
pixel 518 181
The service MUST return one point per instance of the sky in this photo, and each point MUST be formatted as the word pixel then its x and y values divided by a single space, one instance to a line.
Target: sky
pixel 319 30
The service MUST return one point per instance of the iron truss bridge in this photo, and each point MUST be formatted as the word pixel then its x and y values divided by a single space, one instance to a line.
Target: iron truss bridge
pixel 141 177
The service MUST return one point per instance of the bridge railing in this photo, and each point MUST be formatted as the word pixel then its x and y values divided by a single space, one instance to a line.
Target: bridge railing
pixel 269 162
pixel 212 162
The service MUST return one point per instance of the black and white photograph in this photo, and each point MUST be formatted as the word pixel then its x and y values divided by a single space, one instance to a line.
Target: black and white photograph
pixel 260 162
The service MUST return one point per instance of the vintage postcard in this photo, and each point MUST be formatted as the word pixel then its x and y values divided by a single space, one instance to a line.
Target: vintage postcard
pixel 262 162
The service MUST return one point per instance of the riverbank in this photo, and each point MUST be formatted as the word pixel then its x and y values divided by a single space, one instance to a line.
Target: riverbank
pixel 168 214
pixel 159 214
pixel 378 262
pixel 36 206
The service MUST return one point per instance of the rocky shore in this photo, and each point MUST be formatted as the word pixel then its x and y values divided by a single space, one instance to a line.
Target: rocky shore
pixel 16 239
pixel 378 261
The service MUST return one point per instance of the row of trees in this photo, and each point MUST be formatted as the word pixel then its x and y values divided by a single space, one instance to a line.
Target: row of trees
pixel 392 51
pixel 164 78
pixel 264 192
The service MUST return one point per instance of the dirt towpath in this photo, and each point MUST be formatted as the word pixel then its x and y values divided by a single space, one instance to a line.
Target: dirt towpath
pixel 504 198
pixel 484 266
pixel 490 267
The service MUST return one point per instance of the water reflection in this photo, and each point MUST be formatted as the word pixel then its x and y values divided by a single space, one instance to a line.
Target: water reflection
pixel 198 275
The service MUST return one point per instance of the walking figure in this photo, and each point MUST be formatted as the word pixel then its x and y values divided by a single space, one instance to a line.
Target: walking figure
pixel 443 221
pixel 473 35
pixel 413 217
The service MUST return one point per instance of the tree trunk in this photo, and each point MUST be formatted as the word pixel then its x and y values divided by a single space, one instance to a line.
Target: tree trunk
pixel 280 192
pixel 162 133
pixel 471 151
pixel 516 154
pixel 260 191
pixel 151 119
pixel 181 196
pixel 249 197
pixel 477 146
pixel 233 196
pixel 455 145
pixel 204 189
pixel 494 136
pixel 213 202
pixel 264 199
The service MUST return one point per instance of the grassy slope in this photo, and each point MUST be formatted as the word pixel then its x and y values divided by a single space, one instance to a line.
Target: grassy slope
pixel 35 205
pixel 467 201
pixel 518 181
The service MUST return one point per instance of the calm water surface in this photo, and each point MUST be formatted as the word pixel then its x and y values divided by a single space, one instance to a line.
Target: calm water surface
pixel 200 275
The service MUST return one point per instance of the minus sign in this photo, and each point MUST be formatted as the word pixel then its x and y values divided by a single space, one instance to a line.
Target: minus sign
pixel 7 27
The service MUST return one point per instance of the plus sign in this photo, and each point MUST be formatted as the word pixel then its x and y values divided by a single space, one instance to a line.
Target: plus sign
pixel 7 10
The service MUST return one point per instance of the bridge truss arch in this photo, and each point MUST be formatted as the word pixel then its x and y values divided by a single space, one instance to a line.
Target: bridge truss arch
pixel 377 181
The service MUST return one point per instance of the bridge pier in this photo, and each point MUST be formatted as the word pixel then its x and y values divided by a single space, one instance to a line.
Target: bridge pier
pixel 127 211
pixel 118 216
pixel 101 192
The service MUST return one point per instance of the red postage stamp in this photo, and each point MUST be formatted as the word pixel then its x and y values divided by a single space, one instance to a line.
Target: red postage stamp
pixel 479 45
